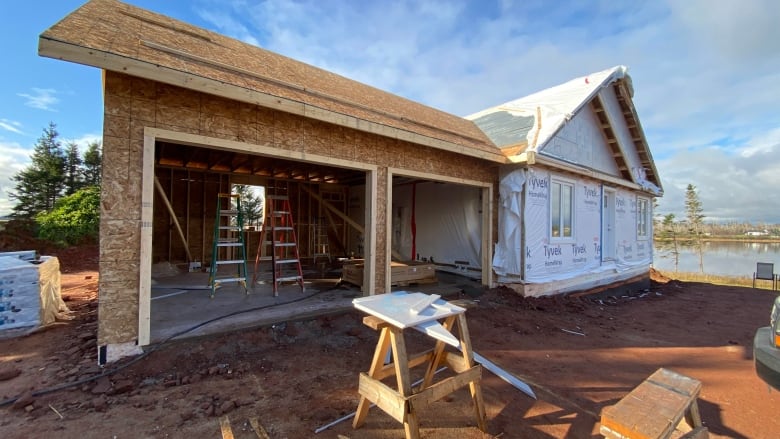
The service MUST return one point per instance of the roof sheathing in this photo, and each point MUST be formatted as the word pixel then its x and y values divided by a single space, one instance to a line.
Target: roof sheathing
pixel 115 36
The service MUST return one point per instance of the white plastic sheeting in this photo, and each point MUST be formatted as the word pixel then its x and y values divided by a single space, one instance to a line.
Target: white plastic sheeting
pixel 448 222
pixel 29 290
pixel 548 258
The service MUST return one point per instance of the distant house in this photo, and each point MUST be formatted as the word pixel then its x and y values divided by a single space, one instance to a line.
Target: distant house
pixel 575 207
pixel 756 233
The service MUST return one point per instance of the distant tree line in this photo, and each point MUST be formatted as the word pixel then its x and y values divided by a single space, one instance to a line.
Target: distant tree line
pixel 58 192
pixel 693 225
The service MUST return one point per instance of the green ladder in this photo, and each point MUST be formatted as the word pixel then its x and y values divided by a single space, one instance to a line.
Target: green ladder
pixel 228 247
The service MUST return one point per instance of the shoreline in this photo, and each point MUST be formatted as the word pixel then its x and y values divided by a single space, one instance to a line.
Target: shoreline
pixel 687 239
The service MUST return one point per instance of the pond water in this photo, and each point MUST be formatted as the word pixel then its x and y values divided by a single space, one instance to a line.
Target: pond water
pixel 718 258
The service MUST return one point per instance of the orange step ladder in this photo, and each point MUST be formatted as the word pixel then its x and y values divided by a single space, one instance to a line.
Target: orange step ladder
pixel 279 233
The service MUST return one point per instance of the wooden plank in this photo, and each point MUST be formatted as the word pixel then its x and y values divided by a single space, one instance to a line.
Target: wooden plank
pixel 389 369
pixel 146 250
pixel 455 362
pixel 374 322
pixel 224 426
pixel 258 429
pixel 444 387
pixel 383 396
pixel 654 408
pixel 398 343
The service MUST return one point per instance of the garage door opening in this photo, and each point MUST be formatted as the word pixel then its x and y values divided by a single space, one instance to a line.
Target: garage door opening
pixel 188 182
pixel 440 232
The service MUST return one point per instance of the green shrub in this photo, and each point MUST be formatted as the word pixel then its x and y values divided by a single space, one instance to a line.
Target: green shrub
pixel 73 220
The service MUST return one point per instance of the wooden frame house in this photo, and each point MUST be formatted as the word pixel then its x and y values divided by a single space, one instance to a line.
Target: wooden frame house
pixel 189 113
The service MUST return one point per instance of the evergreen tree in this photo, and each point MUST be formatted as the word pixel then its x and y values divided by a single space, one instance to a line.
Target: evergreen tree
pixel 91 165
pixel 73 171
pixel 40 185
pixel 693 209
pixel 251 204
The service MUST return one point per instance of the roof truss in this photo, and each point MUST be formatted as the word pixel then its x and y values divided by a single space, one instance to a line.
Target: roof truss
pixel 608 131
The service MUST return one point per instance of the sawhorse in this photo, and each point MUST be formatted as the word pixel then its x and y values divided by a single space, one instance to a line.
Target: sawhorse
pixel 402 404
pixel 655 408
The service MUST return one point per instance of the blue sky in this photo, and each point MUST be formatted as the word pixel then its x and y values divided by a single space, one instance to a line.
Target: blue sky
pixel 706 73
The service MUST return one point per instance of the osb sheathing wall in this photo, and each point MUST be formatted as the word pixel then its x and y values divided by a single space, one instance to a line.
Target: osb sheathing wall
pixel 133 103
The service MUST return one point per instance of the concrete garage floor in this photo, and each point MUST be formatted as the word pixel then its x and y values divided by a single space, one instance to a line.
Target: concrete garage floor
pixel 181 305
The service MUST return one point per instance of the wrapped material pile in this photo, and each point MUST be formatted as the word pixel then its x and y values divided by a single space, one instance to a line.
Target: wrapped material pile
pixel 29 290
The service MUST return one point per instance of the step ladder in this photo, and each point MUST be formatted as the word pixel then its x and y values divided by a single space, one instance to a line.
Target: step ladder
pixel 279 234
pixel 320 244
pixel 228 247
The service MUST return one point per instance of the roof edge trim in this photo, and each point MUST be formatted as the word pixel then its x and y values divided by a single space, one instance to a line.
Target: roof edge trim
pixel 56 49
pixel 587 172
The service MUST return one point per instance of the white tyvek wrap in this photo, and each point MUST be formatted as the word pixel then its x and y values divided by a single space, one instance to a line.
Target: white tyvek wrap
pixel 548 259
pixel 508 254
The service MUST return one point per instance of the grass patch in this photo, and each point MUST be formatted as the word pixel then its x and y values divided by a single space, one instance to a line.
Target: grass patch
pixel 715 279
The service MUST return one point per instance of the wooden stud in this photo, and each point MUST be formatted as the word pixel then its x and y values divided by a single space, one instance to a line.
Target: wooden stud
pixel 224 426
pixel 145 263
pixel 175 220
pixel 258 429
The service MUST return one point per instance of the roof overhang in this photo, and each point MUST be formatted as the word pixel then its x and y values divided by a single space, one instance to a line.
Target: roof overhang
pixel 62 50
pixel 532 158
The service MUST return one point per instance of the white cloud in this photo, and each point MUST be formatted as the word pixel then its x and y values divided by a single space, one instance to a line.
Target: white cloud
pixel 731 187
pixel 13 158
pixel 42 99
pixel 11 125
pixel 705 72
pixel 84 141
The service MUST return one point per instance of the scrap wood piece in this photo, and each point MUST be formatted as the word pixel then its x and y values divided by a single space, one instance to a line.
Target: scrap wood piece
pixel 258 428
pixel 224 426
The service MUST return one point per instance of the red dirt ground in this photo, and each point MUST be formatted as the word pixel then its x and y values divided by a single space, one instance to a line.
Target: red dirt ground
pixel 298 376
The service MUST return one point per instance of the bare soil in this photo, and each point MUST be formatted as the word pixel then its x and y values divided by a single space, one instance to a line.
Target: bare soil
pixel 297 376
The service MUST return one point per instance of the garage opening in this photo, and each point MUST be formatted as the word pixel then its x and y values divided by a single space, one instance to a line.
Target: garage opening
pixel 321 205
pixel 439 233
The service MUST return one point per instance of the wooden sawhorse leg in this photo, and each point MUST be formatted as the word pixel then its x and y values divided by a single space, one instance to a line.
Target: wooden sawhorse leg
pixel 376 365
pixel 391 337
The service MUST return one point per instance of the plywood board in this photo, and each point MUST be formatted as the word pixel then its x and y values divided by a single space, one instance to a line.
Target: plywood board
pixel 396 308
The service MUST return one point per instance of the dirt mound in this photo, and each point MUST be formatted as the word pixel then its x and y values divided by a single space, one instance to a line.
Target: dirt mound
pixel 656 276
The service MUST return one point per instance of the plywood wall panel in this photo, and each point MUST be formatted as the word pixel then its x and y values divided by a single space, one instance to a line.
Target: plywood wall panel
pixel 116 243
pixel 117 105
pixel 143 110
pixel 178 116
pixel 122 315
pixel 116 126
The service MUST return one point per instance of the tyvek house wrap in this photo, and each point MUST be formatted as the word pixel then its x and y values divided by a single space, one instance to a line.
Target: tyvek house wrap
pixel 550 259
